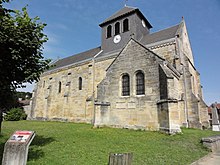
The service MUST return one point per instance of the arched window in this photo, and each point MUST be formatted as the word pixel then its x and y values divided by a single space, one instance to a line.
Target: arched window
pixel 125 25
pixel 140 87
pixel 80 83
pixel 109 31
pixel 117 28
pixel 59 89
pixel 125 85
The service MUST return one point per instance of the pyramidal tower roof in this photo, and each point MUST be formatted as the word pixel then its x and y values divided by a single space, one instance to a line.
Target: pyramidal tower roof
pixel 127 10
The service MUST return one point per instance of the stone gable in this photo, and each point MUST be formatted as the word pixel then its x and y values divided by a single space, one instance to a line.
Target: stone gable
pixel 134 111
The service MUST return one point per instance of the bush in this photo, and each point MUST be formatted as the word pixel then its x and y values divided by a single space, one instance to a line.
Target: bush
pixel 15 114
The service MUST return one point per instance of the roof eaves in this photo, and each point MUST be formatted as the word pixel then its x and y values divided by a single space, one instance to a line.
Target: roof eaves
pixel 68 61
pixel 66 66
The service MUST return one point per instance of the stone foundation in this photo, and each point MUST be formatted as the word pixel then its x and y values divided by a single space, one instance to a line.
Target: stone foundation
pixel 212 142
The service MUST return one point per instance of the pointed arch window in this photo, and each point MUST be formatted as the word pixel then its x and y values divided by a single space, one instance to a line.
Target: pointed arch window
pixel 125 25
pixel 59 89
pixel 140 87
pixel 80 83
pixel 109 31
pixel 117 28
pixel 125 85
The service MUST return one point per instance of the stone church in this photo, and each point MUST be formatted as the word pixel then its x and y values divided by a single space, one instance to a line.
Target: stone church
pixel 136 79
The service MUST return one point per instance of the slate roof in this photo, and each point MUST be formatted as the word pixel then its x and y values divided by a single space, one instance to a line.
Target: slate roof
pixel 160 35
pixel 148 39
pixel 124 12
pixel 76 58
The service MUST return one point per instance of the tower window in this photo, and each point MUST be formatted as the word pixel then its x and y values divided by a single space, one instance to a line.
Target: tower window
pixel 59 89
pixel 125 25
pixel 125 85
pixel 117 28
pixel 109 31
pixel 80 83
pixel 140 87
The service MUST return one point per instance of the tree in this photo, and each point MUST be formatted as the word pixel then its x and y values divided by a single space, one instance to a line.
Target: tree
pixel 21 46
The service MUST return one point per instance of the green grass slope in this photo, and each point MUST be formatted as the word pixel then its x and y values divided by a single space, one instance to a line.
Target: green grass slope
pixel 80 144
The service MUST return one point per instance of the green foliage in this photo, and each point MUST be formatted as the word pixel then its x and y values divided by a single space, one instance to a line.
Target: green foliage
pixel 80 144
pixel 15 114
pixel 21 45
pixel 21 41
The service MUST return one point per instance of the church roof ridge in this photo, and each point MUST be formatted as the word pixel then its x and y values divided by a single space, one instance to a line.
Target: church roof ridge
pixel 130 6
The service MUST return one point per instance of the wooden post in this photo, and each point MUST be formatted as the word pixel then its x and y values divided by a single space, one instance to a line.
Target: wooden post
pixel 120 158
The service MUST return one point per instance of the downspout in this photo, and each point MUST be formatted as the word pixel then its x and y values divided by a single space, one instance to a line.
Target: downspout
pixel 93 86
pixel 184 82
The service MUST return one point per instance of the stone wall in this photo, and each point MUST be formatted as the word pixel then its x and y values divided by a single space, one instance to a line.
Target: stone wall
pixel 133 111
pixel 166 51
pixel 70 104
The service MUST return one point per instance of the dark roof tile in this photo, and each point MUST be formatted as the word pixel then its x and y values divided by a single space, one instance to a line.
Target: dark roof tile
pixel 119 13
pixel 76 58
pixel 123 12
pixel 160 35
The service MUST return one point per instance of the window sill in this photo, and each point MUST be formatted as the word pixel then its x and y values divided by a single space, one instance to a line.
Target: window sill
pixel 125 96
pixel 140 95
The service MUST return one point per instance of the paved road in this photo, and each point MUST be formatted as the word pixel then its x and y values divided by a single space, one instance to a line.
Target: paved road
pixel 212 159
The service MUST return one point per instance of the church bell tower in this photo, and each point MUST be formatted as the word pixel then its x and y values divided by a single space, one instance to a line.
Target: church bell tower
pixel 125 24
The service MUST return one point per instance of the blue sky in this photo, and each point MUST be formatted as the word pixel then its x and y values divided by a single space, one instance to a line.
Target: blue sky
pixel 72 27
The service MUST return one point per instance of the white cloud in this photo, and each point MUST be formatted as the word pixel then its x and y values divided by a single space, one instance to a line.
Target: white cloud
pixel 29 87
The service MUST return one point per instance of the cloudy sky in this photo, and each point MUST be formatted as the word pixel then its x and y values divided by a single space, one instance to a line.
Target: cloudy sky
pixel 72 27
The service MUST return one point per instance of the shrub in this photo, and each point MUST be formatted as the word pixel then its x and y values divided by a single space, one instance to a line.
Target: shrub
pixel 15 114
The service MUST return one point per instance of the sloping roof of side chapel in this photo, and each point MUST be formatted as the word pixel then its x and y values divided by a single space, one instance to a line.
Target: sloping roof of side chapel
pixel 146 40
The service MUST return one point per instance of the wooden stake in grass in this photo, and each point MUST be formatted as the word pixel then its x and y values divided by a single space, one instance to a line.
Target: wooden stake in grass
pixel 120 159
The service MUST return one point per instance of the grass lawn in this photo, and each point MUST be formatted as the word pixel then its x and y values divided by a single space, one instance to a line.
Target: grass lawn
pixel 59 143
